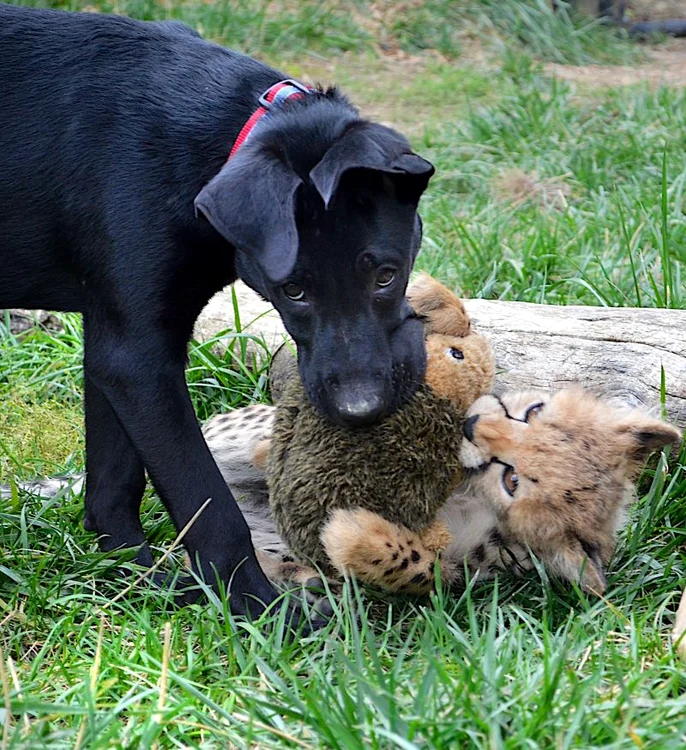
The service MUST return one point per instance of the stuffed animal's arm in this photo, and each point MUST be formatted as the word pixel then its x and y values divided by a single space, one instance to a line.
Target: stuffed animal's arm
pixel 382 553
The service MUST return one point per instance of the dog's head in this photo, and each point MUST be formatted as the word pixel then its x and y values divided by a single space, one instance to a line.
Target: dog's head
pixel 322 211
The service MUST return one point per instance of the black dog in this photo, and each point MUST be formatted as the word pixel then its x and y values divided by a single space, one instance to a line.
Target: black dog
pixel 117 201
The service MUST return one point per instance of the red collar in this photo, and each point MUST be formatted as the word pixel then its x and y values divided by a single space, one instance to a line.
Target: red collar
pixel 274 95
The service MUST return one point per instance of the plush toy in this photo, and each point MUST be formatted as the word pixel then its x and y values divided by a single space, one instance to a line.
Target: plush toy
pixel 400 471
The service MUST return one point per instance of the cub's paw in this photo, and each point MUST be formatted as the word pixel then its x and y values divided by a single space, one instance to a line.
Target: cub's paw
pixel 287 574
pixel 382 553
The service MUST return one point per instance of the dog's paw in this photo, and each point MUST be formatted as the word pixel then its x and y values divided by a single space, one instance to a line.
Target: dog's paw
pixel 382 553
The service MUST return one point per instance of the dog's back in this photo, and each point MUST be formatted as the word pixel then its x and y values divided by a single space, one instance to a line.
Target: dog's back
pixel 97 113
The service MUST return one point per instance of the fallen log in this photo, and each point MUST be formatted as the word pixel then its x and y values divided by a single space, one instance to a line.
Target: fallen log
pixel 619 352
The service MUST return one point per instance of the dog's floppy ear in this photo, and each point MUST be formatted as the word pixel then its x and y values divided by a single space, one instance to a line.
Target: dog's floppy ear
pixel 251 202
pixel 367 145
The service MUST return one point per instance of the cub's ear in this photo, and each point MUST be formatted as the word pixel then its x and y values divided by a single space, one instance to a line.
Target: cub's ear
pixel 642 436
pixel 367 145
pixel 557 541
pixel 251 203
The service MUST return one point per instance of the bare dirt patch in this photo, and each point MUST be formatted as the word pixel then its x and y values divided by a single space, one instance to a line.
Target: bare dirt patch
pixel 394 87
pixel 666 65
pixel 652 10
pixel 368 82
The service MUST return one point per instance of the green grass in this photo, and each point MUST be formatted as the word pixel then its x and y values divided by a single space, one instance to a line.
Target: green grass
pixel 510 664
pixel 616 239
pixel 561 37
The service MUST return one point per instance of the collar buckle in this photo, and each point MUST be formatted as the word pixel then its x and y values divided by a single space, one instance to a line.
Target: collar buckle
pixel 278 93
pixel 271 91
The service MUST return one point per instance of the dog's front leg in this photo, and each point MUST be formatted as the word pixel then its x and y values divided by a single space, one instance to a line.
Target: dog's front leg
pixel 115 479
pixel 141 374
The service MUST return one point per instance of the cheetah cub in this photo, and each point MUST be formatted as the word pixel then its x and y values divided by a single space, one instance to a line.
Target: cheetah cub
pixel 551 473
pixel 548 473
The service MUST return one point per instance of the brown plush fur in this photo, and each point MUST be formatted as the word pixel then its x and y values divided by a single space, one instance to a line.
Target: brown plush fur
pixel 282 368
pixel 315 467
pixel 404 468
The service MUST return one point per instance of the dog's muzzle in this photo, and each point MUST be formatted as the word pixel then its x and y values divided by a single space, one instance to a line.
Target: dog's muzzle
pixel 357 407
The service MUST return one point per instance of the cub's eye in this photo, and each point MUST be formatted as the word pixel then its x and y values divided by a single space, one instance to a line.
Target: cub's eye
pixel 456 353
pixel 510 480
pixel 533 410
pixel 385 277
pixel 293 291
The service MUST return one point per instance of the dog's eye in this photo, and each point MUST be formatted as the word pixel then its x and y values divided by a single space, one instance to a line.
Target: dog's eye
pixel 510 480
pixel 533 410
pixel 456 353
pixel 293 291
pixel 385 277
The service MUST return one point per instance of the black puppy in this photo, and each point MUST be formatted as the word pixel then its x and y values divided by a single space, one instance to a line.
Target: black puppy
pixel 117 201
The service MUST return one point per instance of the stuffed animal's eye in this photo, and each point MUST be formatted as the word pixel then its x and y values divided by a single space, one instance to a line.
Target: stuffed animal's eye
pixel 533 410
pixel 456 353
pixel 293 292
pixel 510 480
pixel 385 277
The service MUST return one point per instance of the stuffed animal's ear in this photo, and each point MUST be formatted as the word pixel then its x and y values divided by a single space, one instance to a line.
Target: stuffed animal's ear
pixel 368 145
pixel 442 310
pixel 251 203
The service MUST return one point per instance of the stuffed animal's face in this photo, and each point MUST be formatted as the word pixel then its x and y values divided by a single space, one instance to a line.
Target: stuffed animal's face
pixel 460 364
pixel 558 470
pixel 459 368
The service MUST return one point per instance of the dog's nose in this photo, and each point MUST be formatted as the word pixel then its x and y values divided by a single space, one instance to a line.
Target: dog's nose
pixel 359 408
pixel 468 427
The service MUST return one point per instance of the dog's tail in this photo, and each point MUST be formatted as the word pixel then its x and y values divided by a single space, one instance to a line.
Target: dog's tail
pixel 46 487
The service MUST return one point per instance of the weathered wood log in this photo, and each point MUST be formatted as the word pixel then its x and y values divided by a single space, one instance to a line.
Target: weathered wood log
pixel 619 352
pixel 256 318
